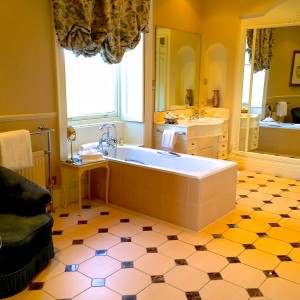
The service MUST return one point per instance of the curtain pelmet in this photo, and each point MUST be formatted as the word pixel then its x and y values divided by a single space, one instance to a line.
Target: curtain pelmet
pixel 108 27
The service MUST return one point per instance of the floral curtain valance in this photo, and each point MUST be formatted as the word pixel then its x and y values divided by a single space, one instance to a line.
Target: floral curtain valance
pixel 108 27
pixel 264 42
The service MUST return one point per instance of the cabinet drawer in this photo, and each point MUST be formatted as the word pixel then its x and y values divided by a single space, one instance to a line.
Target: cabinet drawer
pixel 254 130
pixel 254 137
pixel 253 145
pixel 223 154
pixel 192 152
pixel 222 146
pixel 223 137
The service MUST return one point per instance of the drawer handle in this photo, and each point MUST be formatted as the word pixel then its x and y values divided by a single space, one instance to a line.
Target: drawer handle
pixel 193 144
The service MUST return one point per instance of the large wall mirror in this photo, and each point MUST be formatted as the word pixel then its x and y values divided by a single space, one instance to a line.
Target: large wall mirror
pixel 271 93
pixel 177 69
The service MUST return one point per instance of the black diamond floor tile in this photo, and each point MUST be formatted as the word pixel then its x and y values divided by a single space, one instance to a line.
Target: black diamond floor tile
pixel 192 295
pixel 254 293
pixel 71 268
pixel 98 282
pixel 180 262
pixel 36 286
pixel 77 242
pixel 127 264
pixel 157 278
pixel 200 248
pixel 270 273
pixel 151 250
pixel 100 252
pixel 214 276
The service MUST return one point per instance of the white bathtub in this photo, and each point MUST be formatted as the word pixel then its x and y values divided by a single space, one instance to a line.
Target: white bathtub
pixel 185 190
pixel 183 164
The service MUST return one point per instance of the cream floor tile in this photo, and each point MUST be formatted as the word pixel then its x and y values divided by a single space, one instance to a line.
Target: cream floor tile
pixel 128 281
pixel 259 259
pixel 291 195
pixel 32 295
pixel 222 290
pixel 225 247
pixel 277 208
pixel 283 234
pixel 125 229
pixel 142 220
pixel 195 238
pixel 278 185
pixel 207 261
pixel 260 196
pixel 161 291
pixel 241 236
pixel 295 214
pixel 243 275
pixel 126 251
pixel 241 191
pixel 295 255
pixel 265 216
pixel 247 185
pixel 285 201
pixel 290 223
pixel 104 221
pixel 102 241
pixel 61 242
pixel 186 278
pixel 273 246
pixel 250 202
pixel 270 190
pixel 75 254
pixel 82 231
pixel 98 293
pixel 149 238
pixel 231 218
pixel 176 249
pixel 215 228
pixel 67 285
pixel 280 289
pixel 289 270
pixel 167 228
pixel 253 225
pixel 99 266
pixel 154 263
pixel 53 269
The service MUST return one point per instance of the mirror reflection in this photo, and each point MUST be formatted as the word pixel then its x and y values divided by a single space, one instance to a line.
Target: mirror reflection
pixel 177 69
pixel 270 99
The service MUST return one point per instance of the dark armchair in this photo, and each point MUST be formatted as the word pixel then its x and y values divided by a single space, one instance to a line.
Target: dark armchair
pixel 25 229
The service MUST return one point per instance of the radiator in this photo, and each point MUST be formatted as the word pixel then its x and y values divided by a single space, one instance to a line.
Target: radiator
pixel 37 172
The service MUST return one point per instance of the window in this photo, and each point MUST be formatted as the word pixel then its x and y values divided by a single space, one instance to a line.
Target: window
pixel 95 89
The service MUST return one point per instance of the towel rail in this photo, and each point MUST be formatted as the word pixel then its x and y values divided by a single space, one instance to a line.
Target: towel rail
pixel 43 129
pixel 177 132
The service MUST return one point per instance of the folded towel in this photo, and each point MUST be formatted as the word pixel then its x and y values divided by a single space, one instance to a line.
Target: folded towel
pixel 281 109
pixel 168 139
pixel 89 146
pixel 15 149
pixel 90 155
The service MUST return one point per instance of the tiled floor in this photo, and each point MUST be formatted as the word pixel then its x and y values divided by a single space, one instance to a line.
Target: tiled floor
pixel 109 254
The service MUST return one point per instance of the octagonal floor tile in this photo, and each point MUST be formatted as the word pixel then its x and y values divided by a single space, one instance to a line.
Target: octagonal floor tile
pixel 243 275
pixel 128 281
pixel 161 291
pixel 167 228
pixel 285 201
pixel 289 270
pixel 144 220
pixel 240 236
pixel 259 259
pixel 254 225
pixel 280 289
pixel 195 238
pixel 149 238
pixel 178 278
pixel 284 234
pixel 63 223
pixel 28 295
pixel 265 216
pixel 80 232
pixel 290 195
pixel 273 246
pixel 99 267
pixel 60 242
pixel 126 251
pixel 223 290
pixel 154 263
pixel 225 247
pixel 51 270
pixel 75 254
pixel 67 285
pixel 98 293
pixel 207 261
pixel 215 228
pixel 290 223
pixel 260 196
pixel 295 255
pixel 125 229
pixel 102 241
pixel 250 202
pixel 104 221
pixel 277 208
pixel 176 249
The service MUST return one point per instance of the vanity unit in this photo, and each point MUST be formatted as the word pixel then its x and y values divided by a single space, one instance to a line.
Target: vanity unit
pixel 253 132
pixel 207 137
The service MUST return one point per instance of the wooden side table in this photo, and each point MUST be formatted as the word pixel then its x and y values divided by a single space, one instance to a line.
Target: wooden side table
pixel 79 169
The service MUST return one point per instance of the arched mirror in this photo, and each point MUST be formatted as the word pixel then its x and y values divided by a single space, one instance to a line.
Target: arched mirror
pixel 177 67
pixel 271 88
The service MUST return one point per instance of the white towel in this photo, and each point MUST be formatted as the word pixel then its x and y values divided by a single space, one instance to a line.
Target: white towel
pixel 281 109
pixel 88 146
pixel 168 139
pixel 15 149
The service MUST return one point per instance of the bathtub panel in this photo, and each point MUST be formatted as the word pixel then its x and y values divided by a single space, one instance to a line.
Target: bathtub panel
pixel 151 204
pixel 175 212
pixel 152 180
pixel 130 197
pixel 115 172
pixel 114 193
pixel 193 191
pixel 130 176
pixel 175 187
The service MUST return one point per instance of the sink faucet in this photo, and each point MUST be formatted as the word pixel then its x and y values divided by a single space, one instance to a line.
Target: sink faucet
pixel 107 139
pixel 202 111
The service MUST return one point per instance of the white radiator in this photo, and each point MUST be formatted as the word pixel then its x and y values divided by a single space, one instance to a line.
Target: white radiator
pixel 37 172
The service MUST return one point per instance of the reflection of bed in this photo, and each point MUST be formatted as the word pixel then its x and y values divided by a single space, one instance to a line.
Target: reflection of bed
pixel 279 138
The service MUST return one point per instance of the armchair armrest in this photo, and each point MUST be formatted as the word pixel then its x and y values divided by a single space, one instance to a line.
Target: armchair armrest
pixel 21 196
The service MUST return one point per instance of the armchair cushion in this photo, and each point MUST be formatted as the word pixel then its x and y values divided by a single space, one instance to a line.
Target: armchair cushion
pixel 21 196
